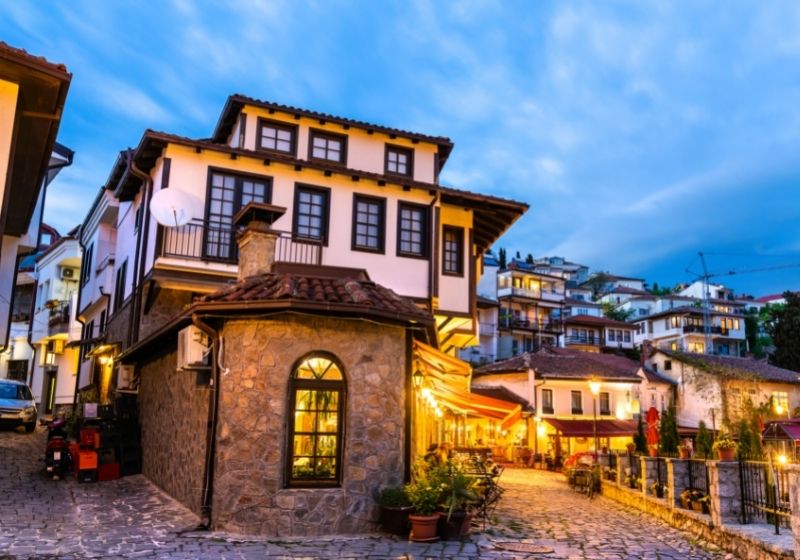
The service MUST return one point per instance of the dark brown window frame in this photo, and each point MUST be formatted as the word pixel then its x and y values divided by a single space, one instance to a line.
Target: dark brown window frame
pixel 315 384
pixel 400 149
pixel 459 232
pixel 604 411
pixel 86 266
pixel 289 127
pixel 545 408
pixel 381 249
pixel 426 230
pixel 319 133
pixel 326 215
pixel 572 402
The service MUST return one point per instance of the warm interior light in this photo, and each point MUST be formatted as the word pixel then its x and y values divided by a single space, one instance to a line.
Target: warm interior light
pixel 782 459
pixel 103 360
pixel 426 393
pixel 779 409
pixel 418 377
pixel 594 387
pixel 541 430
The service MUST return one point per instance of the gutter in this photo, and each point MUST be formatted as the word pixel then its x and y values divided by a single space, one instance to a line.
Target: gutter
pixel 141 253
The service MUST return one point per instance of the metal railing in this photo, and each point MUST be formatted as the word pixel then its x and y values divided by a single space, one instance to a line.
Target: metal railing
pixel 593 340
pixel 764 494
pixel 661 475
pixel 697 470
pixel 516 323
pixel 712 329
pixel 217 243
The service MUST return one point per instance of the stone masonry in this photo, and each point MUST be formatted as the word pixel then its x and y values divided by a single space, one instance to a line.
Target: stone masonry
pixel 250 494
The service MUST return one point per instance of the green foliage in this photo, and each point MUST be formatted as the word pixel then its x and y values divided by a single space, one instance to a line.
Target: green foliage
pixel 662 291
pixel 502 258
pixel 640 440
pixel 518 255
pixel 749 442
pixel 705 441
pixel 394 496
pixel 668 431
pixel 610 311
pixel 784 328
pixel 724 441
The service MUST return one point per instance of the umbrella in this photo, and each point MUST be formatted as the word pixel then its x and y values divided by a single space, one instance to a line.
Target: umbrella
pixel 652 426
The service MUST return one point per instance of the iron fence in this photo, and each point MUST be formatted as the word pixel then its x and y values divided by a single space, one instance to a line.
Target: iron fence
pixel 764 494
pixel 698 475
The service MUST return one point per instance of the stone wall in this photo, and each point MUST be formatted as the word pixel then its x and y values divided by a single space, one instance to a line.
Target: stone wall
pixel 168 304
pixel 118 324
pixel 249 492
pixel 173 413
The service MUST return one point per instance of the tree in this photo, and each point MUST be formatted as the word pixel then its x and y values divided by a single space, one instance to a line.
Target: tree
pixel 610 311
pixel 518 255
pixel 705 441
pixel 668 431
pixel 529 259
pixel 640 440
pixel 502 258
pixel 784 328
pixel 749 442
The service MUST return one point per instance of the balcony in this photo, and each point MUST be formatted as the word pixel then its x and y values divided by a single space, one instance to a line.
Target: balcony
pixel 713 329
pixel 525 324
pixel 211 243
pixel 487 329
pixel 476 359
pixel 585 340
pixel 527 293
pixel 59 317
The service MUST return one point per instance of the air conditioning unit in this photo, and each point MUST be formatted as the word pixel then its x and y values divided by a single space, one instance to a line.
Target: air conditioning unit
pixel 67 273
pixel 193 349
pixel 125 377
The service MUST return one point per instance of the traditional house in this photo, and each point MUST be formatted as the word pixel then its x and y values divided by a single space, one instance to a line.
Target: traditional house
pixel 595 334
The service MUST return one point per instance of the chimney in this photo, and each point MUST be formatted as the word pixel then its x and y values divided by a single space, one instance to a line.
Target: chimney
pixel 257 238
pixel 647 351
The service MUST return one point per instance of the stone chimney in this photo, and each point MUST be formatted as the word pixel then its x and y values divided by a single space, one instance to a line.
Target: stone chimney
pixel 257 239
pixel 647 351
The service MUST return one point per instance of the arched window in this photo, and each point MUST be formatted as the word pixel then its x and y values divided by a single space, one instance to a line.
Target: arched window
pixel 316 421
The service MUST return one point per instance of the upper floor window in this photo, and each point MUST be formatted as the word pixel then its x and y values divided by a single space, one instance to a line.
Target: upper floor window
pixel 368 223
pixel 277 137
pixel 453 253
pixel 412 226
pixel 119 285
pixel 399 161
pixel 605 403
pixel 316 421
pixel 627 336
pixel 577 402
pixel 547 401
pixel 327 146
pixel 86 266
pixel 311 210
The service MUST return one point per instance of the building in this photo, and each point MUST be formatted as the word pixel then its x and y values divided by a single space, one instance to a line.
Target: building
pixel 55 328
pixel 558 266
pixel 595 334
pixel 602 283
pixel 32 96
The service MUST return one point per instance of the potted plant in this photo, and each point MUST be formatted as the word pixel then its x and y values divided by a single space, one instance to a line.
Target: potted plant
pixel 685 498
pixel 701 502
pixel 725 448
pixel 425 495
pixel 457 493
pixel 610 474
pixel 395 508
pixel 658 489
pixel 632 481
pixel 684 451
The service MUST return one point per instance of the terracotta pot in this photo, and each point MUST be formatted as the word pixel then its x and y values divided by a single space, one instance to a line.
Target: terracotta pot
pixel 394 520
pixel 697 506
pixel 456 527
pixel 685 503
pixel 653 452
pixel 726 454
pixel 424 527
pixel 683 453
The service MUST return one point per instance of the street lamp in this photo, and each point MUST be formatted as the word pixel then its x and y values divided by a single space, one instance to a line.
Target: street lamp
pixel 594 387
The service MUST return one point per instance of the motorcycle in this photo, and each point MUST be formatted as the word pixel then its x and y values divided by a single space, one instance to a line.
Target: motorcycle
pixel 57 458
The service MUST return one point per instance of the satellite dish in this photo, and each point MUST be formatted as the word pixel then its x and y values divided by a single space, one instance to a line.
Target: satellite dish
pixel 173 207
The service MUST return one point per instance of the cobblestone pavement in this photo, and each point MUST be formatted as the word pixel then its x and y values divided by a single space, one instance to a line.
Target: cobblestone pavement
pixel 131 518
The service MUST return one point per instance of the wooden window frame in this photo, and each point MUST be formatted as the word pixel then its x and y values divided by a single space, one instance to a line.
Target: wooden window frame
pixel 459 233
pixel 120 280
pixel 402 150
pixel 318 133
pixel 548 409
pixel 296 384
pixel 572 402
pixel 607 410
pixel 298 188
pixel 426 230
pixel 381 202
pixel 86 266
pixel 293 129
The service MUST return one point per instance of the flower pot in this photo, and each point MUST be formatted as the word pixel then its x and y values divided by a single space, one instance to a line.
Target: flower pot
pixel 456 527
pixel 394 520
pixel 683 453
pixel 653 452
pixel 726 453
pixel 697 506
pixel 685 502
pixel 424 527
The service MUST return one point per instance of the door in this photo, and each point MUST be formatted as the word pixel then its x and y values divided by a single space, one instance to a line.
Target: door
pixel 49 391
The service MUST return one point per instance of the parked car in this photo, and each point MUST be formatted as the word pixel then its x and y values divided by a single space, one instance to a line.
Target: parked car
pixel 17 407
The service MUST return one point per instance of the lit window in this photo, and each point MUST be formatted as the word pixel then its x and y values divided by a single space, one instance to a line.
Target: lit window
pixel 605 403
pixel 317 394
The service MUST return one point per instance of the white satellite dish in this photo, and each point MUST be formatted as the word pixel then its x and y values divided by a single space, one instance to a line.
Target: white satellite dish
pixel 173 207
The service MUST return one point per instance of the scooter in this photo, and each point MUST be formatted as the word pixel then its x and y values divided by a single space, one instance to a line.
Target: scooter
pixel 57 458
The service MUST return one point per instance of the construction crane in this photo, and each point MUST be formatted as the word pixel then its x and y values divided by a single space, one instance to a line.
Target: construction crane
pixel 706 276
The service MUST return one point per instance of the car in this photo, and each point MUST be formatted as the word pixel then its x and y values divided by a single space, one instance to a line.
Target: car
pixel 17 407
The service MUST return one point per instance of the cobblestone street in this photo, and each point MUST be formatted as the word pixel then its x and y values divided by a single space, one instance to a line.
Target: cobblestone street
pixel 131 518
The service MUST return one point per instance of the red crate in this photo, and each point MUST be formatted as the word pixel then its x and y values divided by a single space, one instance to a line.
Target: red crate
pixel 108 471
pixel 87 460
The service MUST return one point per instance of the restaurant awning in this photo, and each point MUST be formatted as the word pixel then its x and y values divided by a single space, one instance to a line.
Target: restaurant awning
pixel 782 431
pixel 585 428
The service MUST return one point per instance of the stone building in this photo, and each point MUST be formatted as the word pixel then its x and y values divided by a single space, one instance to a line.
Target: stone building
pixel 302 414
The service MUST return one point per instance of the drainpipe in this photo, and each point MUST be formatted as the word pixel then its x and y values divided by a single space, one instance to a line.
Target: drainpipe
pixel 141 253
pixel 207 494
pixel 432 249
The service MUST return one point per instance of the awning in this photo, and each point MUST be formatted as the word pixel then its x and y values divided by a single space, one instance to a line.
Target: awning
pixel 585 428
pixel 782 431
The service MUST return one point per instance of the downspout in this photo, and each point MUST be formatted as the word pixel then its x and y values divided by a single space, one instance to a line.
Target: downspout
pixel 78 319
pixel 434 233
pixel 141 253
pixel 207 495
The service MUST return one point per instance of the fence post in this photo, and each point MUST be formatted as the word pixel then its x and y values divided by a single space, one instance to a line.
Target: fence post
pixel 649 473
pixel 677 479
pixel 793 474
pixel 725 491
pixel 623 467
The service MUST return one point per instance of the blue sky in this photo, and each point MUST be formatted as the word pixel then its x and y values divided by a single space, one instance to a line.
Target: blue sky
pixel 639 133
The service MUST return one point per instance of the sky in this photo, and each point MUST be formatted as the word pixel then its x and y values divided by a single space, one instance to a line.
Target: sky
pixel 640 133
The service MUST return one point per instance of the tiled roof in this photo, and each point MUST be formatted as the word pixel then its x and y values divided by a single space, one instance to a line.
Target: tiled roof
pixel 501 393
pixel 758 368
pixel 654 376
pixel 326 294
pixel 597 321
pixel 770 298
pixel 565 363
pixel 627 290
pixel 683 310
pixel 21 55
pixel 580 302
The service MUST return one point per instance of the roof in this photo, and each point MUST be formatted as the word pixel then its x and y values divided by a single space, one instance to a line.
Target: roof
pixel 484 302
pixel 586 428
pixel 769 298
pixel 750 366
pixel 627 290
pixel 43 90
pixel 236 101
pixel 682 310
pixel 654 376
pixel 580 302
pixel 597 321
pixel 567 363
pixel 502 394
pixel 492 215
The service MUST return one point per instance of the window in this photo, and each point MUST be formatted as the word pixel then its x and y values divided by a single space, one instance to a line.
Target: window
pixel 18 370
pixel 88 332
pixel 311 208
pixel 119 285
pixel 780 402
pixel 667 365
pixel 612 336
pixel 326 146
pixel 277 137
pixel 227 194
pixel 412 225
pixel 626 336
pixel 642 312
pixel 697 347
pixel 316 397
pixel 674 322
pixel 605 404
pixel 137 219
pixel 577 402
pixel 368 223
pixel 453 251
pixel 399 161
pixel 102 327
pixel 547 401
pixel 86 265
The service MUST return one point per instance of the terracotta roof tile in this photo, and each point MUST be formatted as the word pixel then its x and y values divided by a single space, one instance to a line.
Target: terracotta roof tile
pixel 758 368
pixel 566 363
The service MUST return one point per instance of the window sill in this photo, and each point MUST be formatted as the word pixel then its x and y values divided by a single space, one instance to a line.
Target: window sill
pixel 453 274
pixel 412 256
pixel 577 411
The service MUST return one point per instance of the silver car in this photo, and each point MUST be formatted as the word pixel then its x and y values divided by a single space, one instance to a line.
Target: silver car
pixel 17 407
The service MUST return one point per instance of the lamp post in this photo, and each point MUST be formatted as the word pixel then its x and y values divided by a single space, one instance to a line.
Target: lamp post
pixel 594 387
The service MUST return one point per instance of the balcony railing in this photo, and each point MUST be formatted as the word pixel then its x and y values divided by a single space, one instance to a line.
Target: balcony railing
pixel 58 320
pixel 513 291
pixel 487 329
pixel 592 340
pixel 213 243
pixel 712 329
pixel 525 324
